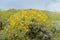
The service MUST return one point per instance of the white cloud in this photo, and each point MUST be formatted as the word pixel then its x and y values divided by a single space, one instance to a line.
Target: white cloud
pixel 54 6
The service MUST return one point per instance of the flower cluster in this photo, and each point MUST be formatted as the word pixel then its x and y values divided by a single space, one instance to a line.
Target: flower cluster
pixel 23 18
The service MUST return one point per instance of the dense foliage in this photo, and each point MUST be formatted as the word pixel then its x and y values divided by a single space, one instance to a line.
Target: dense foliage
pixel 26 24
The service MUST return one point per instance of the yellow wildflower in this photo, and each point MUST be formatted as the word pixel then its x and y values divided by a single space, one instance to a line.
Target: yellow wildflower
pixel 24 17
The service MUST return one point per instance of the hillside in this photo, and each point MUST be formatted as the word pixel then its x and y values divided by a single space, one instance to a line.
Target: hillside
pixel 18 24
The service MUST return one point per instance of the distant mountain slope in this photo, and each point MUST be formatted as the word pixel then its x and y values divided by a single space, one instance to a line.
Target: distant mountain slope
pixel 53 15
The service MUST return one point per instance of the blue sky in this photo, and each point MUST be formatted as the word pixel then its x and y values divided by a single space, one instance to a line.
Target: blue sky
pixel 52 5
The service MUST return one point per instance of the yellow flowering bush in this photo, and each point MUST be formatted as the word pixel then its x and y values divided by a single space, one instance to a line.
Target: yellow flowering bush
pixel 29 24
pixel 23 18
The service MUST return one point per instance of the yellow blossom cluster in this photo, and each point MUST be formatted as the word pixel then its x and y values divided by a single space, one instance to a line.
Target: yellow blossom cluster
pixel 23 18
